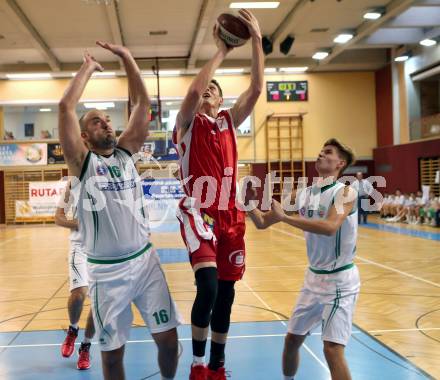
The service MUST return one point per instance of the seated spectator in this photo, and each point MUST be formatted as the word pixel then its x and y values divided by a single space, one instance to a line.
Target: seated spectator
pixel 396 205
pixel 410 210
pixel 384 209
pixel 401 208
pixel 420 204
pixel 430 212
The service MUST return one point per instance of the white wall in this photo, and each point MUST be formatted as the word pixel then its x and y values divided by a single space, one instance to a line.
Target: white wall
pixel 14 121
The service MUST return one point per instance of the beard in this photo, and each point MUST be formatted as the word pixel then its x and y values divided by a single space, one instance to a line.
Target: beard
pixel 106 142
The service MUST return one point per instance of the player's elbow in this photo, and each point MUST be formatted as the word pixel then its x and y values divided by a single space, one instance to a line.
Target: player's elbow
pixel 195 92
pixel 330 229
pixel 65 105
pixel 142 101
pixel 256 89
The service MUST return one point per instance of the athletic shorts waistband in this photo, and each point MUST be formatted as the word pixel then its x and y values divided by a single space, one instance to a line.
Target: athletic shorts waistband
pixel 340 269
pixel 121 260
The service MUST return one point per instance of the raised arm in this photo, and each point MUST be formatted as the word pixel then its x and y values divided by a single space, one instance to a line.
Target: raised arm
pixel 246 101
pixel 328 226
pixel 136 132
pixel 68 125
pixel 191 102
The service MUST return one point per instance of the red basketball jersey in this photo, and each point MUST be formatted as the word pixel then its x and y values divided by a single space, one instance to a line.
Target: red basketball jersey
pixel 208 160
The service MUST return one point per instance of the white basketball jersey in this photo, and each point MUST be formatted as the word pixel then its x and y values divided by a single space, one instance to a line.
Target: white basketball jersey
pixel 112 213
pixel 327 252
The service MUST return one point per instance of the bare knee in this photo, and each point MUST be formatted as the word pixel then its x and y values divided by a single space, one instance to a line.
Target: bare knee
pixel 167 341
pixel 293 342
pixel 112 358
pixel 78 294
pixel 333 351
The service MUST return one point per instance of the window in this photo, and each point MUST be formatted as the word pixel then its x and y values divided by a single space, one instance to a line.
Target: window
pixel 424 107
pixel 40 121
pixel 170 108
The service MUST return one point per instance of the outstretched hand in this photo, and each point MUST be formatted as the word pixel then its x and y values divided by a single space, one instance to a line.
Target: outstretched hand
pixel 89 60
pixel 250 21
pixel 221 45
pixel 118 50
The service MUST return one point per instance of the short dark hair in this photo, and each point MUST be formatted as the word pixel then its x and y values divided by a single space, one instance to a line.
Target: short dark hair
pixel 344 151
pixel 218 86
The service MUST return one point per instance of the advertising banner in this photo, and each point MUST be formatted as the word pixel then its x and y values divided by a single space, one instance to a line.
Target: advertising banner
pixel 163 195
pixel 55 154
pixel 42 203
pixel 23 154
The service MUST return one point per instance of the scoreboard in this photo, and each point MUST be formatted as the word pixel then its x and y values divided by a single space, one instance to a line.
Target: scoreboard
pixel 294 91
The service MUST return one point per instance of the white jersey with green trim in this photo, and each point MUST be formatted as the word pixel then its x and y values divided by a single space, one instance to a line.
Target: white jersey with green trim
pixel 328 252
pixel 112 212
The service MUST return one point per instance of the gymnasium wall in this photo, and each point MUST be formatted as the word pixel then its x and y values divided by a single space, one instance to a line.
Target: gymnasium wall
pixel 49 121
pixel 399 164
pixel 341 105
pixel 384 106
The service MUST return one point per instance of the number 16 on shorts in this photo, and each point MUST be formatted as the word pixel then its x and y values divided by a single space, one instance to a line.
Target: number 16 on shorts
pixel 161 317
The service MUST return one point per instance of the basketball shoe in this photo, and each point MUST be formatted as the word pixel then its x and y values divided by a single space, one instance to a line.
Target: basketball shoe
pixel 69 343
pixel 84 356
pixel 220 374
pixel 198 372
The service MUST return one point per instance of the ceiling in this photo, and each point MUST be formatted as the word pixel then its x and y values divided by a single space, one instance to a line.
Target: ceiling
pixel 51 35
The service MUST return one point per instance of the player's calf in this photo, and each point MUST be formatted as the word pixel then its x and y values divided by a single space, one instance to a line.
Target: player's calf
pixel 167 345
pixel 335 356
pixel 292 344
pixel 112 364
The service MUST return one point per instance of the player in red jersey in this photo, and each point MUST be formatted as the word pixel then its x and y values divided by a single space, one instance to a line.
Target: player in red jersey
pixel 211 225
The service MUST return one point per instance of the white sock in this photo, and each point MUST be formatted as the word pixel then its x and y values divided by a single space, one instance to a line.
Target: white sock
pixel 75 326
pixel 198 360
pixel 289 378
pixel 86 340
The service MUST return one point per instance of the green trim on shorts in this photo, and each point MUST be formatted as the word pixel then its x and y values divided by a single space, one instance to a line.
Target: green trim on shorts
pixel 98 316
pixel 340 269
pixel 117 261
pixel 73 266
pixel 334 309
pixel 169 293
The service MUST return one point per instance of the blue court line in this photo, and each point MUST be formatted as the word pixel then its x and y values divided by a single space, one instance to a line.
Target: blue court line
pixel 253 352
pixel 173 255
pixel 403 231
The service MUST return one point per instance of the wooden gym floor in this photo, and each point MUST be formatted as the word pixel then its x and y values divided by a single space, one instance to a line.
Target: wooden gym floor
pixel 399 302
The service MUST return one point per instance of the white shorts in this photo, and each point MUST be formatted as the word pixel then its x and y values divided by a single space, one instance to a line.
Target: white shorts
pixel 114 287
pixel 78 276
pixel 328 300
